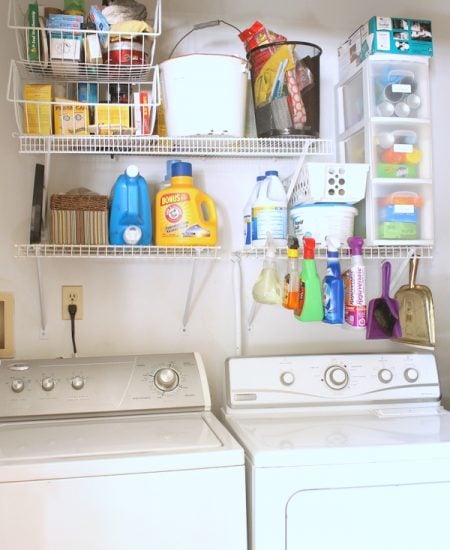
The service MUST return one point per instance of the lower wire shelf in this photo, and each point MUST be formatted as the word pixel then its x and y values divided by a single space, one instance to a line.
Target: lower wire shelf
pixel 115 251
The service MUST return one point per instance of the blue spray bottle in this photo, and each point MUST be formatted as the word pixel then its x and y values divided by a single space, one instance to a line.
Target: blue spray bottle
pixel 333 285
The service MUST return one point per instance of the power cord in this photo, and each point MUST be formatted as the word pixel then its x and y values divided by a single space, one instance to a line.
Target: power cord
pixel 72 308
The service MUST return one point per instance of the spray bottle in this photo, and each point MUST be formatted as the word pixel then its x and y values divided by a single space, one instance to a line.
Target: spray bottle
pixel 310 292
pixel 267 288
pixel 291 279
pixel 355 286
pixel 333 285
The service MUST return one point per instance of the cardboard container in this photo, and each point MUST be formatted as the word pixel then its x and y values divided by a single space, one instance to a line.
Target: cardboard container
pixel 394 35
pixel 37 109
pixel 71 119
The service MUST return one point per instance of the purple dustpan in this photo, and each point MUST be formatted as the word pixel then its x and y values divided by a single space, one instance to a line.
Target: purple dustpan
pixel 383 320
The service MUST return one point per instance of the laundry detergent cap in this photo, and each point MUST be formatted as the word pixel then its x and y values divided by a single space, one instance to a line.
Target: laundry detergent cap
pixel 132 171
pixel 181 169
pixel 271 173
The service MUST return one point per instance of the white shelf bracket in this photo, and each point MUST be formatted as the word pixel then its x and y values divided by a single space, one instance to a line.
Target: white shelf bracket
pixel 237 293
pixel 43 316
pixel 187 307
pixel 251 317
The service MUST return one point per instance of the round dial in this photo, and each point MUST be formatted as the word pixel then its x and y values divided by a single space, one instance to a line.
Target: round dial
pixel 385 376
pixel 77 383
pixel 166 379
pixel 336 377
pixel 17 385
pixel 48 383
pixel 287 378
pixel 411 375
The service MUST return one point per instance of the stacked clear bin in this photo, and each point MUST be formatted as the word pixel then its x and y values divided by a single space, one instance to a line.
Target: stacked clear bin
pixel 384 120
pixel 71 91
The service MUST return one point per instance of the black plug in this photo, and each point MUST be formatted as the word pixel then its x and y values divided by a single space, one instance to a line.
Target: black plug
pixel 72 308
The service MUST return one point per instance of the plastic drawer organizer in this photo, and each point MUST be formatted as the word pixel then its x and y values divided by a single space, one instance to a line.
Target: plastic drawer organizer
pixel 384 119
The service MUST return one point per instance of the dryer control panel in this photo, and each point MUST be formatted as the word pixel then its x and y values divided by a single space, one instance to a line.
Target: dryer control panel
pixel 311 380
pixel 95 386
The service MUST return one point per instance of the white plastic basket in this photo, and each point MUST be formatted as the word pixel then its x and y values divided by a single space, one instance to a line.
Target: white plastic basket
pixel 330 182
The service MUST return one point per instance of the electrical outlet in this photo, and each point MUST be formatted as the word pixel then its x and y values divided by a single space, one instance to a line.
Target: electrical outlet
pixel 72 295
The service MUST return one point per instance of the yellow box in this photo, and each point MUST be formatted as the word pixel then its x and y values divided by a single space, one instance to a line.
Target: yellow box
pixel 38 109
pixel 71 119
pixel 110 119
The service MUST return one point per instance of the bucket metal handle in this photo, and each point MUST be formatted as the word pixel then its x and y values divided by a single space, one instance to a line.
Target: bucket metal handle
pixel 199 26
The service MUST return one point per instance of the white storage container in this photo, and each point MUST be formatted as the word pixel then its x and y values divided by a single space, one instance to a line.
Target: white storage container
pixel 323 219
pixel 205 94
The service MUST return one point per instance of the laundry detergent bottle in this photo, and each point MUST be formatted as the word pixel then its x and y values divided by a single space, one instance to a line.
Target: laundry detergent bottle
pixel 130 210
pixel 184 215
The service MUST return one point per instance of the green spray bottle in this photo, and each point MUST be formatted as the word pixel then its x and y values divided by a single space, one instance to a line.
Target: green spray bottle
pixel 310 302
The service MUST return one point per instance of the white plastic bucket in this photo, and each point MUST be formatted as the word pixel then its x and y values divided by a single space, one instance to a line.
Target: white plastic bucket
pixel 323 219
pixel 204 94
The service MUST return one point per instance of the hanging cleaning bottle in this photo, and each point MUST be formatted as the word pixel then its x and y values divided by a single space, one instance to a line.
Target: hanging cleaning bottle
pixel 310 306
pixel 184 215
pixel 355 286
pixel 333 285
pixel 269 211
pixel 130 211
pixel 291 279
pixel 267 288
pixel 247 214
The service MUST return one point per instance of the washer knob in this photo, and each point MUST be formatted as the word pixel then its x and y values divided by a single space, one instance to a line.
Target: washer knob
pixel 385 376
pixel 166 379
pixel 336 377
pixel 17 385
pixel 48 383
pixel 287 378
pixel 411 375
pixel 77 383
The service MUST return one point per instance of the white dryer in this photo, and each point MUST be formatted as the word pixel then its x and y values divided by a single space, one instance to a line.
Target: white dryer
pixel 343 452
pixel 116 453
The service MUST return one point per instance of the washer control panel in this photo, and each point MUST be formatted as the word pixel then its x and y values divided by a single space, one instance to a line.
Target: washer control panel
pixel 102 385
pixel 303 380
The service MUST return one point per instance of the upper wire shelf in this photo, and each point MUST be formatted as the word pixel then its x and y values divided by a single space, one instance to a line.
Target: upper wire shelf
pixel 216 146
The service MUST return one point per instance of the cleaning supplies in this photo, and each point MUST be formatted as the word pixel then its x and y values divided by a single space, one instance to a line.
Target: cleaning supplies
pixel 184 215
pixel 333 285
pixel 247 214
pixel 291 279
pixel 130 210
pixel 310 306
pixel 269 211
pixel 268 288
pixel 355 286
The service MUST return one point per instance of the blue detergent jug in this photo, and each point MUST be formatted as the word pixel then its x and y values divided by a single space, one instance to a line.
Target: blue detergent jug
pixel 130 210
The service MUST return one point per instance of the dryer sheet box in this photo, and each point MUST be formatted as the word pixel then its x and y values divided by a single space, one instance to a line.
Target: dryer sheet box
pixel 392 35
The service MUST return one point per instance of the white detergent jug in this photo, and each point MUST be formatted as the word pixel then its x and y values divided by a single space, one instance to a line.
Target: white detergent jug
pixel 269 212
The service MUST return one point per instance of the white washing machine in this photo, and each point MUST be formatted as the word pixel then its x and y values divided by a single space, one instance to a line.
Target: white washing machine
pixel 116 453
pixel 343 452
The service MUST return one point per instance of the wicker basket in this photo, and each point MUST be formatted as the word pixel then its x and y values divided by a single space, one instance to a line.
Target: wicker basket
pixel 79 219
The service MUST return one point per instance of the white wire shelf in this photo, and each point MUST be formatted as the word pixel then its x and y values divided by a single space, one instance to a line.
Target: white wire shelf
pixel 216 146
pixel 87 54
pixel 369 252
pixel 116 252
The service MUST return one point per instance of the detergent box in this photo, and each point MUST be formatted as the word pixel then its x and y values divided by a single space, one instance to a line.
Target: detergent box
pixel 392 35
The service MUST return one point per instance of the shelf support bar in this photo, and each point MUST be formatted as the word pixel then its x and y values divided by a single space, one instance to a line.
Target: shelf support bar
pixel 42 311
pixel 187 307
pixel 237 292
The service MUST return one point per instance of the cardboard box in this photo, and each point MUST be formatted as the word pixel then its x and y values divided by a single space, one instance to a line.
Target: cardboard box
pixel 112 119
pixel 71 119
pixel 393 35
pixel 37 109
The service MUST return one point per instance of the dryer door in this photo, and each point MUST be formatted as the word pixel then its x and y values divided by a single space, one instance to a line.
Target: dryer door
pixel 389 517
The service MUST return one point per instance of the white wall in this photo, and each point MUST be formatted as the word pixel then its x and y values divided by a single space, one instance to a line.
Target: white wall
pixel 137 306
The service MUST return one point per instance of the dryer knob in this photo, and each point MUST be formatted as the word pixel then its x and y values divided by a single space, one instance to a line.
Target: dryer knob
pixel 17 385
pixel 336 377
pixel 48 383
pixel 166 379
pixel 411 375
pixel 77 383
pixel 287 378
pixel 385 376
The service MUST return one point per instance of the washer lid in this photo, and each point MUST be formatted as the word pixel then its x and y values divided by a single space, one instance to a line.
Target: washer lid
pixel 115 445
pixel 389 434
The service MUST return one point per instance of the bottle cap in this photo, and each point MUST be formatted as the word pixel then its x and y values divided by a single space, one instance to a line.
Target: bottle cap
pixel 260 178
pixel 271 173
pixel 309 244
pixel 132 171
pixel 332 246
pixel 181 169
pixel 356 245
